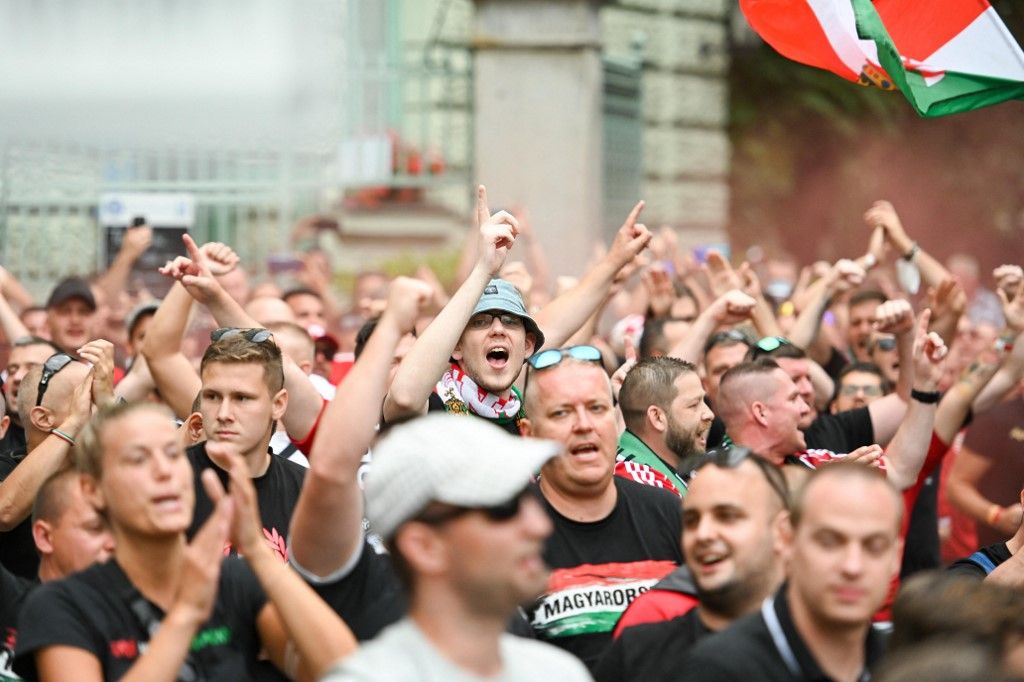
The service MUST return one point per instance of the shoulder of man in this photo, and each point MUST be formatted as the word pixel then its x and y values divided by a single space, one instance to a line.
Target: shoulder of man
pixel 536 658
pixel 736 653
pixel 644 474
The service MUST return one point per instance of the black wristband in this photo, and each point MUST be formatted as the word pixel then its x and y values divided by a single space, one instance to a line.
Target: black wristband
pixel 926 397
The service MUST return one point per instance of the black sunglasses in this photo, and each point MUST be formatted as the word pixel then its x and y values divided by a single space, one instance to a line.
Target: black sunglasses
pixel 554 356
pixel 53 364
pixel 730 457
pixel 499 513
pixel 255 335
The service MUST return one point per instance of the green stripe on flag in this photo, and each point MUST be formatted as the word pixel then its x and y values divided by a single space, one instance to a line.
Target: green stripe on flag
pixel 954 93
pixel 581 624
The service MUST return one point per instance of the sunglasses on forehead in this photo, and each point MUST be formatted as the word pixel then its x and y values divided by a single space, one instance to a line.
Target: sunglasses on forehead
pixel 554 356
pixel 256 335
pixel 768 345
pixel 499 513
pixel 53 364
pixel 731 457
pixel 728 336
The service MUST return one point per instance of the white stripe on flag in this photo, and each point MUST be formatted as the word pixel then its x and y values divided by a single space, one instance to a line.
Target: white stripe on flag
pixel 840 26
pixel 983 48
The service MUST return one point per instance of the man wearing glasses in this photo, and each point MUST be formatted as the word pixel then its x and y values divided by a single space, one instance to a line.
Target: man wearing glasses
pixel 613 538
pixel 469 359
pixel 858 385
pixel 468 553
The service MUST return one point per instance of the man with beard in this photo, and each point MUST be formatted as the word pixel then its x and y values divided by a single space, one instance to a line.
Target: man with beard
pixel 733 517
pixel 667 421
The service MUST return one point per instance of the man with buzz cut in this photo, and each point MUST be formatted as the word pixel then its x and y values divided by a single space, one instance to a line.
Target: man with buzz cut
pixel 470 357
pixel 667 422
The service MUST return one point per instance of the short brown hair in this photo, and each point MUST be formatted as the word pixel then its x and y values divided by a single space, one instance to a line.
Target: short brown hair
pixel 650 382
pixel 89 449
pixel 842 470
pixel 237 350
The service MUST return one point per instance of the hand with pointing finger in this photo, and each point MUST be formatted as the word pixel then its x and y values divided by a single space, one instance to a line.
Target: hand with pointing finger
pixel 193 272
pixel 497 234
pixel 631 239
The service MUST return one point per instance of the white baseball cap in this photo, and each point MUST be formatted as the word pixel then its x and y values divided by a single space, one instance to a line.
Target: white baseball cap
pixel 456 459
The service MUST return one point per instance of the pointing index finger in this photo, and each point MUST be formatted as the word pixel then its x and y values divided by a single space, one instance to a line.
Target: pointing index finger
pixel 483 212
pixel 190 246
pixel 634 214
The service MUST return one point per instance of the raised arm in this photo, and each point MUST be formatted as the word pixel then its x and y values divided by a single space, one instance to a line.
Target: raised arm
pixel 172 372
pixel 134 243
pixel 196 276
pixel 561 318
pixel 895 317
pixel 909 446
pixel 428 358
pixel 1011 371
pixel 843 276
pixel 327 526
pixel 732 307
pixel 10 323
pixel 20 488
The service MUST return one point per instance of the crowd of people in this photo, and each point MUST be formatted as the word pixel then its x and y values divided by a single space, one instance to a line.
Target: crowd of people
pixel 660 470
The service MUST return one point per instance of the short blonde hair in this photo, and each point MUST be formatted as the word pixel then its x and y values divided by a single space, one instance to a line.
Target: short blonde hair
pixel 89 448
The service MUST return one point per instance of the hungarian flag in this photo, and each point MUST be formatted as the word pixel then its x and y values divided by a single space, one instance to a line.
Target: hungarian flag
pixel 946 56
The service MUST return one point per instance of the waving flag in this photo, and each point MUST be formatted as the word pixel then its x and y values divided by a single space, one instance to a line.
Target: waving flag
pixel 946 56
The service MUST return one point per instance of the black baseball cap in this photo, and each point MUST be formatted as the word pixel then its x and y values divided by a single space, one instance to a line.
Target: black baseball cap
pixel 72 287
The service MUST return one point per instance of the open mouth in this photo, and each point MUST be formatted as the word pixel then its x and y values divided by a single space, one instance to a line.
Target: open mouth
pixel 497 357
pixel 584 449
pixel 167 502
pixel 710 560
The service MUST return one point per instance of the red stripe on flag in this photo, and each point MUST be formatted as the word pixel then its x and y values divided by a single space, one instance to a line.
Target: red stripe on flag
pixel 919 28
pixel 791 27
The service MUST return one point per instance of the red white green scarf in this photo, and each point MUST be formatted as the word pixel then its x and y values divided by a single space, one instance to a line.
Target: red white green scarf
pixel 461 395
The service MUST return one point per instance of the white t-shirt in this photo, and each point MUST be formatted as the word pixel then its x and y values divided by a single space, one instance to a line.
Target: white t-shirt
pixel 401 653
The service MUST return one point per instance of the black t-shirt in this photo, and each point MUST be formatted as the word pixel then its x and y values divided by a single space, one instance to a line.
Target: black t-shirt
pixel 750 649
pixel 13 592
pixel 598 568
pixel 369 597
pixel 14 440
pixel 100 611
pixel 651 651
pixel 973 565
pixel 277 491
pixel 841 433
pixel 17 548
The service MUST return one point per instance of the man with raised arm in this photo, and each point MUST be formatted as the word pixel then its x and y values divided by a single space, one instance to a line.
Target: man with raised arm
pixel 328 543
pixel 469 358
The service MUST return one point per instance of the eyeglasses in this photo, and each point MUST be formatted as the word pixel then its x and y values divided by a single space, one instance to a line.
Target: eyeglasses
pixel 485 319
pixel 730 335
pixel 256 335
pixel 731 457
pixel 853 389
pixel 554 356
pixel 768 345
pixel 499 513
pixel 886 343
pixel 53 364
